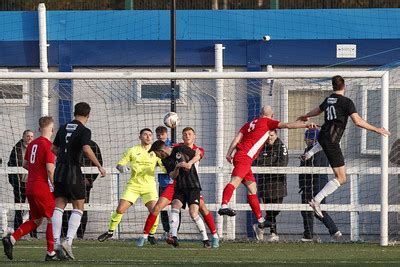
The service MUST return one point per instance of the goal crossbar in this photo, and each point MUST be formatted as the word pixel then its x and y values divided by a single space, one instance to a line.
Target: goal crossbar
pixel 191 75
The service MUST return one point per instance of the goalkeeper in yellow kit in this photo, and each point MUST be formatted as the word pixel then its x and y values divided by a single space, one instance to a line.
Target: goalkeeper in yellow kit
pixel 141 184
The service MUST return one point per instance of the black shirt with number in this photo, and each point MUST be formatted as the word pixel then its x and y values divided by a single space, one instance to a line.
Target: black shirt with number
pixel 337 110
pixel 186 179
pixel 70 140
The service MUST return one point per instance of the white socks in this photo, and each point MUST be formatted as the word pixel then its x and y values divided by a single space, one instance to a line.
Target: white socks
pixel 174 222
pixel 202 228
pixel 73 224
pixel 57 223
pixel 328 189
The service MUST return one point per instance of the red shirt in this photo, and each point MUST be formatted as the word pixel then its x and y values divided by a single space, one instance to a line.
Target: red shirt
pixel 38 153
pixel 255 134
pixel 202 152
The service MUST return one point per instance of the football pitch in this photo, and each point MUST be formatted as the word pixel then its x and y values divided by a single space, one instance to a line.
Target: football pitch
pixel 124 253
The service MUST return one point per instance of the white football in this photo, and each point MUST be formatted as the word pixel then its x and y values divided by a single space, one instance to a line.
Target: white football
pixel 171 119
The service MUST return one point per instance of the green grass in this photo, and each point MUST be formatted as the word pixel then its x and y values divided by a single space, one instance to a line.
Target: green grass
pixel 124 253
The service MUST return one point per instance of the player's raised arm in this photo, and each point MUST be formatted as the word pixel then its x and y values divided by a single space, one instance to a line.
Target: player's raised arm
pixel 297 125
pixel 235 141
pixel 360 122
pixel 314 112
pixel 92 157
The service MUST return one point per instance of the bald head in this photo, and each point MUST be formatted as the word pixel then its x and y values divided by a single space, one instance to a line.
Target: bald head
pixel 267 112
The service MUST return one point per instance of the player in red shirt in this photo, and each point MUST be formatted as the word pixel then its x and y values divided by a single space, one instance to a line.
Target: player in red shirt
pixel 247 144
pixel 39 161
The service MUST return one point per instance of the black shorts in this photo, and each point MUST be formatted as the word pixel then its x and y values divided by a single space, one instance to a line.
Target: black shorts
pixel 68 174
pixel 333 152
pixel 70 191
pixel 189 196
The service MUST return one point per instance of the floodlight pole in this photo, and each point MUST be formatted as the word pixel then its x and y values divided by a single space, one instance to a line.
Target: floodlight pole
pixel 173 63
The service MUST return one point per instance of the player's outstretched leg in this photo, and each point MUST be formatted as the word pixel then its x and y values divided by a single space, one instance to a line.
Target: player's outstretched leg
pixel 10 240
pixel 226 197
pixel 328 189
pixel 115 219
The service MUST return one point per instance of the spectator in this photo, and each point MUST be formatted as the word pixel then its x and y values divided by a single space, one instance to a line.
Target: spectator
pixel 89 179
pixel 310 185
pixel 271 187
pixel 17 180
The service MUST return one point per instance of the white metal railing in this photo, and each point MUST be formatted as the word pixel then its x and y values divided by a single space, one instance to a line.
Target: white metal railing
pixel 353 207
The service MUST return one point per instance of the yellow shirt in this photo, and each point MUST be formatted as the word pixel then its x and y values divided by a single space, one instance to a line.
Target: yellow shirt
pixel 142 165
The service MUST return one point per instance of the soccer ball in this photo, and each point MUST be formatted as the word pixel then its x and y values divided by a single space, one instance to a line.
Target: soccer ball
pixel 171 119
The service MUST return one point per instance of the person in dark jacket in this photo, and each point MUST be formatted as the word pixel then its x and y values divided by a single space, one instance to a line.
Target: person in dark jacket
pixel 89 179
pixel 17 180
pixel 310 185
pixel 271 187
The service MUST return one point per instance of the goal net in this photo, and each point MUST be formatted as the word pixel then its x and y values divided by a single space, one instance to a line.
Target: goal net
pixel 216 107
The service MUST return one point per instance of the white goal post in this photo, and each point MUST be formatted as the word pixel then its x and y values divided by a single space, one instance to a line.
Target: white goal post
pixel 354 207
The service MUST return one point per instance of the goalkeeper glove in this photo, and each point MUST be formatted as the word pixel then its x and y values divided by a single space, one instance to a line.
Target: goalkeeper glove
pixel 123 169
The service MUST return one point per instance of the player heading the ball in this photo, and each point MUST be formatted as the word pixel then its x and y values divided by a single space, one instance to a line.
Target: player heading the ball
pixel 338 109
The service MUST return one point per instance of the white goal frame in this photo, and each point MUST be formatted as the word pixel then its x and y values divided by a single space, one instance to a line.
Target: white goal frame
pixel 220 168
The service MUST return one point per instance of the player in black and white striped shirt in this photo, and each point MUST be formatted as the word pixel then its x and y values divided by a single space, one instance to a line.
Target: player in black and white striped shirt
pixel 337 109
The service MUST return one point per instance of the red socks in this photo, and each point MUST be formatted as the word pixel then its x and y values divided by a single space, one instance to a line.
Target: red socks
pixel 227 194
pixel 210 222
pixel 151 219
pixel 49 237
pixel 255 205
pixel 24 229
